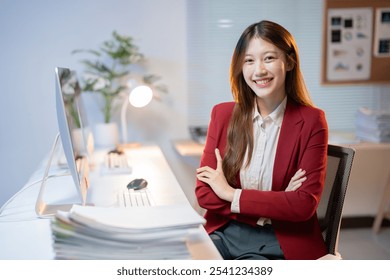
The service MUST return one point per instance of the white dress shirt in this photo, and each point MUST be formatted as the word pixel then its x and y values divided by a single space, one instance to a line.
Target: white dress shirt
pixel 258 174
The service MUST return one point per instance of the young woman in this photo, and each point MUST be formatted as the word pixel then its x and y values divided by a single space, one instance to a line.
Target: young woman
pixel 263 167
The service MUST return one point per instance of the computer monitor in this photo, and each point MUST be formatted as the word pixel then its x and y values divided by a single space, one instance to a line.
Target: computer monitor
pixel 73 138
pixel 71 127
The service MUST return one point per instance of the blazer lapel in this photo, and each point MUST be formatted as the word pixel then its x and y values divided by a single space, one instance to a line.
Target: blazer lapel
pixel 289 134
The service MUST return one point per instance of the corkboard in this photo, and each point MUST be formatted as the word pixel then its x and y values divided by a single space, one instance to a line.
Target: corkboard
pixel 339 18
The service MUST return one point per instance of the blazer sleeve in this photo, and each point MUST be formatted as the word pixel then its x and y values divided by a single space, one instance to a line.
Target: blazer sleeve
pixel 308 140
pixel 216 138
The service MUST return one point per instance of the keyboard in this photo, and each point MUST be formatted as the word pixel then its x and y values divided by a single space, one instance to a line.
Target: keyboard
pixel 135 198
pixel 116 162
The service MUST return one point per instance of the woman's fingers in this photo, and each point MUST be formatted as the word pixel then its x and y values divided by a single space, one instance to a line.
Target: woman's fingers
pixel 219 159
pixel 297 180
pixel 206 172
pixel 298 183
pixel 298 174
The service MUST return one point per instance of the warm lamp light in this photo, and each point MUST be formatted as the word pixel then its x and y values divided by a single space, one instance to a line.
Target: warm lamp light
pixel 139 96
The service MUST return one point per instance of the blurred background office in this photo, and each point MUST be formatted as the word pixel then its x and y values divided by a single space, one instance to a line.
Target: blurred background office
pixel 187 42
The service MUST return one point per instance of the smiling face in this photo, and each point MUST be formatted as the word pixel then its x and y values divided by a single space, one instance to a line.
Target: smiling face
pixel 264 70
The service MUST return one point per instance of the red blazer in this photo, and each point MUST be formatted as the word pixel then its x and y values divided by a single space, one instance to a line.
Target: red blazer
pixel 302 144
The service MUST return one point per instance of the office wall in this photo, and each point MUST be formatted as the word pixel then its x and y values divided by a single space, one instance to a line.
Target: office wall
pixel 213 30
pixel 36 36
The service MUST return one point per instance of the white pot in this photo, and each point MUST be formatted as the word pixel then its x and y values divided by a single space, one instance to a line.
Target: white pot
pixel 78 141
pixel 83 141
pixel 106 135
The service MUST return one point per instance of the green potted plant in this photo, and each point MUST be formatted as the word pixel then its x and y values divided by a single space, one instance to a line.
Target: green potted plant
pixel 108 71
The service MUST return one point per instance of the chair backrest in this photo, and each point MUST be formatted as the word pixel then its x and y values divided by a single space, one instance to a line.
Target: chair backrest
pixel 331 205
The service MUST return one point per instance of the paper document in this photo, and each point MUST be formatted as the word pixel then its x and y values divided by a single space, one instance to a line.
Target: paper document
pixel 138 218
pixel 159 232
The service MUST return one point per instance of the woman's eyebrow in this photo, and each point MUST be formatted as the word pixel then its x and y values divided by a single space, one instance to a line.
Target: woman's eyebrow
pixel 270 52
pixel 263 53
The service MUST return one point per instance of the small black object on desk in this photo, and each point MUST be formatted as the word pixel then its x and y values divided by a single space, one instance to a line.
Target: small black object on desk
pixel 137 184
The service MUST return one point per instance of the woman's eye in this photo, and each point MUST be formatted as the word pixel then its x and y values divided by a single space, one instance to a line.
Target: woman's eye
pixel 248 60
pixel 269 58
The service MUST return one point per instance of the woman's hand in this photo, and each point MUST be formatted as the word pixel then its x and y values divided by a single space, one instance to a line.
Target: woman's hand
pixel 216 179
pixel 296 181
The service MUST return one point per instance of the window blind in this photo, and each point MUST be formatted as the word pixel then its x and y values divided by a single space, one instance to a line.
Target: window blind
pixel 213 29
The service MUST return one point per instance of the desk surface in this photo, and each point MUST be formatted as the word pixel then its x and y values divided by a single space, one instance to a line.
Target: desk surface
pixel 24 236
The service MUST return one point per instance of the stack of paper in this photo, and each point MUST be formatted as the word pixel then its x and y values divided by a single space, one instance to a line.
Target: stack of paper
pixel 141 233
pixel 373 126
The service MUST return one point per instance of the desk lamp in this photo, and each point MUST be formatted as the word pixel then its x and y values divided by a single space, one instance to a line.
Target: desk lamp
pixel 139 96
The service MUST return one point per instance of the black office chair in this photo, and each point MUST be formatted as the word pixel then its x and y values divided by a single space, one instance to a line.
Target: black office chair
pixel 331 205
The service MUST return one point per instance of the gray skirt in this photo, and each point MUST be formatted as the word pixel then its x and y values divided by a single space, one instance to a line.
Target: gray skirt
pixel 239 241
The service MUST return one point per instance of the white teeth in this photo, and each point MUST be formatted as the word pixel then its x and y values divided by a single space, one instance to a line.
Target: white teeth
pixel 262 82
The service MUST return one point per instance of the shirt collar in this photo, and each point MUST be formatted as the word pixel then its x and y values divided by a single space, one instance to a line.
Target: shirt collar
pixel 276 115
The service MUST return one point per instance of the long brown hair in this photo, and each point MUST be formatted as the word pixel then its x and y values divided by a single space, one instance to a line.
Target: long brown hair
pixel 240 131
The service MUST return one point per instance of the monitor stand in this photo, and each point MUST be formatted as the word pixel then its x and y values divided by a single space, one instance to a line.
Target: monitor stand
pixel 42 209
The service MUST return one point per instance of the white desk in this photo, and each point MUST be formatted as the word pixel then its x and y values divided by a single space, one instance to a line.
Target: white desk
pixel 369 176
pixel 24 236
